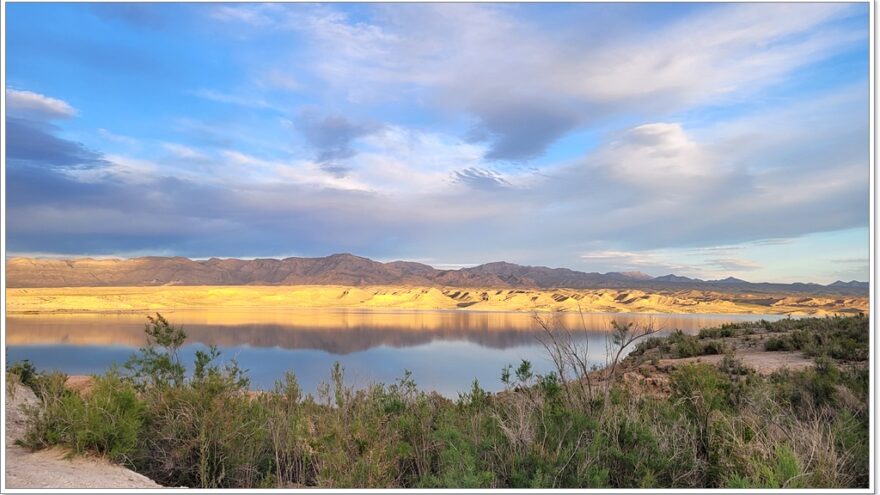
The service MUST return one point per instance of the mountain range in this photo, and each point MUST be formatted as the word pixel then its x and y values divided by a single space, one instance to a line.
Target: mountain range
pixel 350 270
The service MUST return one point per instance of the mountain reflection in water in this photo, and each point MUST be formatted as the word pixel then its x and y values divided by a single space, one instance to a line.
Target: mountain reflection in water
pixel 445 350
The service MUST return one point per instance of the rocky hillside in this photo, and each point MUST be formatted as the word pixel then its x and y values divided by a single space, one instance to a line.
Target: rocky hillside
pixel 350 270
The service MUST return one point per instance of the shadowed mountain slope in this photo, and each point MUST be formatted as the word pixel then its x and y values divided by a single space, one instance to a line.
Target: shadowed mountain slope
pixel 350 270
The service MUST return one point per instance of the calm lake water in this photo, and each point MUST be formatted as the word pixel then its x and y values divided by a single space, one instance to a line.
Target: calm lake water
pixel 444 350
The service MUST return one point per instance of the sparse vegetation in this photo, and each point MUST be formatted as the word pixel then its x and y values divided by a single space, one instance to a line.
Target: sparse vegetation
pixel 681 345
pixel 840 338
pixel 25 372
pixel 716 426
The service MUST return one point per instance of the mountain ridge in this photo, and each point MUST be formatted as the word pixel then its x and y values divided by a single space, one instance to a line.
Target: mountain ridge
pixel 349 269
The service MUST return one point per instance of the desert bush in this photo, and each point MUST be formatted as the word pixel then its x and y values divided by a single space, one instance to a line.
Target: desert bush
pixel 681 345
pixel 459 460
pixel 187 436
pixel 774 344
pixel 842 338
pixel 107 420
pixel 650 343
pixel 701 390
pixel 780 471
pixel 288 430
pixel 26 373
pixel 713 347
pixel 47 423
pixel 813 387
pixel 157 364
pixel 724 331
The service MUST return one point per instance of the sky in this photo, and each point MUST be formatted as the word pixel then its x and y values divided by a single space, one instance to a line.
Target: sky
pixel 705 140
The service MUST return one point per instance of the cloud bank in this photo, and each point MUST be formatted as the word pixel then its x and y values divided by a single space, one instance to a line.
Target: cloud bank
pixel 564 135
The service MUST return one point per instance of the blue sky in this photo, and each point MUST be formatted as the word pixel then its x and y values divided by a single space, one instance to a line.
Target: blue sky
pixel 702 139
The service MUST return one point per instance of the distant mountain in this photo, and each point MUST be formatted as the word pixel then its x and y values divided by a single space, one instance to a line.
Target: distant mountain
pixel 348 269
pixel 855 284
pixel 675 278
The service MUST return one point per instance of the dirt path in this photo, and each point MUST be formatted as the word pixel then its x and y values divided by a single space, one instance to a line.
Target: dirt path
pixel 49 468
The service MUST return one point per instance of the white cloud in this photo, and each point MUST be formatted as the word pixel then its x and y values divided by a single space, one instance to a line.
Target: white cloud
pixel 232 99
pixel 278 79
pixel 527 86
pixel 120 168
pixel 659 156
pixel 186 153
pixel 254 15
pixel 117 138
pixel 654 261
pixel 730 48
pixel 650 189
pixel 678 261
pixel 734 264
pixel 36 105
pixel 298 172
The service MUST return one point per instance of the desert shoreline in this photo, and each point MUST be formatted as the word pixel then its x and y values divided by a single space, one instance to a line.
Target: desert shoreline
pixel 116 300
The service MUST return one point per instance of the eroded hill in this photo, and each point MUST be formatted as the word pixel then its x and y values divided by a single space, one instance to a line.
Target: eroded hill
pixel 92 299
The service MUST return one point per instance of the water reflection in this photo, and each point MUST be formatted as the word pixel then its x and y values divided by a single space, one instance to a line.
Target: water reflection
pixel 337 332
pixel 445 350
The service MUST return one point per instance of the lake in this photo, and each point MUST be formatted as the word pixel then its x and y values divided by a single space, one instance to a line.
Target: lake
pixel 444 350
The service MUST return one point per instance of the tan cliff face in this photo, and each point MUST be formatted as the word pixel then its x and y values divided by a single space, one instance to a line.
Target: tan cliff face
pixel 126 299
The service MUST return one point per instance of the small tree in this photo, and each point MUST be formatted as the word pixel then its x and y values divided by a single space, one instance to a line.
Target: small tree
pixel 622 336
pixel 571 354
pixel 158 364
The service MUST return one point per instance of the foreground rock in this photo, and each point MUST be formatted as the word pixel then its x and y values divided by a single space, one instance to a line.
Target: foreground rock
pixel 53 468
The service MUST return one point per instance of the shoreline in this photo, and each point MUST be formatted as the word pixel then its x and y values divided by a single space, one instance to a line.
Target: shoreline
pixel 400 311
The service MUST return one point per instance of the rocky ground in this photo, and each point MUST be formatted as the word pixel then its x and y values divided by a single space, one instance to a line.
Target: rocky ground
pixel 649 370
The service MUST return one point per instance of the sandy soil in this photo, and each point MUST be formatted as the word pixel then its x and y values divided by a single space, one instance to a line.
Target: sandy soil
pixel 52 468
pixel 122 299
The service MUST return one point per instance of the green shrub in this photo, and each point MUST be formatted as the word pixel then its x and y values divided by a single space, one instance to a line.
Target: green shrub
pixel 702 391
pixel 783 343
pixel 648 344
pixel 724 331
pixel 687 346
pixel 26 372
pixel 812 387
pixel 48 423
pixel 842 338
pixel 782 470
pixel 106 420
pixel 157 364
pixel 187 439
pixel 713 347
